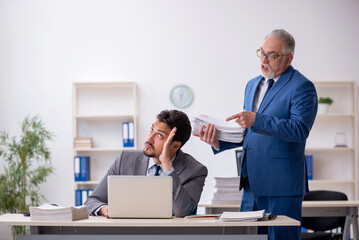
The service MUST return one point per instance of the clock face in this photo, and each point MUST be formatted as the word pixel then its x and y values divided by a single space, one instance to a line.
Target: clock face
pixel 181 96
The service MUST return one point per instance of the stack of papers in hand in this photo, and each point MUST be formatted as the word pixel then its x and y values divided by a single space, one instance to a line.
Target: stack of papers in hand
pixel 226 131
pixel 241 216
pixel 50 212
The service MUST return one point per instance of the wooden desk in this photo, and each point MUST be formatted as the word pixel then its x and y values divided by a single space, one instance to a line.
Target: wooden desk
pixel 177 226
pixel 349 209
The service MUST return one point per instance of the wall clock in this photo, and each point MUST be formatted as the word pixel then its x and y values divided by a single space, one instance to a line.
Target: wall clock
pixel 181 96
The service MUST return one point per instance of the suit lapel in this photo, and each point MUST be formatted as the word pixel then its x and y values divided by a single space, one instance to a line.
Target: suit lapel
pixel 252 94
pixel 141 165
pixel 178 162
pixel 277 86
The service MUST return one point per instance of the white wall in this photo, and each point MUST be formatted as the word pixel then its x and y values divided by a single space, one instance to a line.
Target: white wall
pixel 210 45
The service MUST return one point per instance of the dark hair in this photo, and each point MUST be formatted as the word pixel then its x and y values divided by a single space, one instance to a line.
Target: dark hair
pixel 178 119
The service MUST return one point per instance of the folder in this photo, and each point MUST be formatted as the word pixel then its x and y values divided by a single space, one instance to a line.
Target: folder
pixel 131 134
pixel 77 168
pixel 309 160
pixel 78 197
pixel 128 134
pixel 84 168
pixel 84 196
pixel 125 134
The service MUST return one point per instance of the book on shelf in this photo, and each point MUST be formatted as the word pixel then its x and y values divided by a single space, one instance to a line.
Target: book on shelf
pixel 83 142
pixel 82 168
pixel 309 160
pixel 128 134
pixel 51 212
pixel 81 195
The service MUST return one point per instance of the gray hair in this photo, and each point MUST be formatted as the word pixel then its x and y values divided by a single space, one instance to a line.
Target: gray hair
pixel 286 38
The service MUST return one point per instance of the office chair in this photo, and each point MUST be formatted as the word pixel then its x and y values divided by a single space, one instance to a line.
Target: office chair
pixel 321 224
pixel 239 153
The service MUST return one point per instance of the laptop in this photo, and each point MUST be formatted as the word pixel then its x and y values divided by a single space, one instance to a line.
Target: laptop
pixel 139 196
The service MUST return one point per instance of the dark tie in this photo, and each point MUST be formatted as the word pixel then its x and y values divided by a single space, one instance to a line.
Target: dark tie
pixel 270 84
pixel 158 167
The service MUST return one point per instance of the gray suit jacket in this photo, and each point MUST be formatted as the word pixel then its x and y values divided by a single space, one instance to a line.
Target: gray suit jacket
pixel 188 180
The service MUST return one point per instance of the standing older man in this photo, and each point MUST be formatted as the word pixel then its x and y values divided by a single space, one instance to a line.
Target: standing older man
pixel 279 110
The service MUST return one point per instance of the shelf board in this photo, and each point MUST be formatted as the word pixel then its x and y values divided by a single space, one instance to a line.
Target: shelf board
pixel 332 115
pixel 330 149
pixel 104 116
pixel 333 83
pixel 104 84
pixel 331 182
pixel 103 149
pixel 82 183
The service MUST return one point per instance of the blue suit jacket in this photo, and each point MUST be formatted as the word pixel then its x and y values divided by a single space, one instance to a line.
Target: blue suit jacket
pixel 274 147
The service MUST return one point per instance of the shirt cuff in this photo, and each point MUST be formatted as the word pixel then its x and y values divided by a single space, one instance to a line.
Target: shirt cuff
pixel 167 173
pixel 97 210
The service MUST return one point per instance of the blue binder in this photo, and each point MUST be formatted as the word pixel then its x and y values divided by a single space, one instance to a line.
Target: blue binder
pixel 84 168
pixel 309 160
pixel 128 134
pixel 77 168
pixel 78 197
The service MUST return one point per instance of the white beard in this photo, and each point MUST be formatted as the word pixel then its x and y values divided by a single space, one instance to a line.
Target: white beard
pixel 270 74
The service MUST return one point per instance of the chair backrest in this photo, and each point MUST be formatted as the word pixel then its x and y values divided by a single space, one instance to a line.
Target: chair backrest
pixel 323 223
pixel 239 153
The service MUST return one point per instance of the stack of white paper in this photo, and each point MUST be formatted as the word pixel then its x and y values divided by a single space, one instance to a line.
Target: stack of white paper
pixel 226 131
pixel 226 190
pixel 50 212
pixel 241 216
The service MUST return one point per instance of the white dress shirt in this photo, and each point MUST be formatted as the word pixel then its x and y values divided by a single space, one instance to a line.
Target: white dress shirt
pixel 262 88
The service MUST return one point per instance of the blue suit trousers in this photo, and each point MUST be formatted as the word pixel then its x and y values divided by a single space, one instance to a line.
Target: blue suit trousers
pixel 290 206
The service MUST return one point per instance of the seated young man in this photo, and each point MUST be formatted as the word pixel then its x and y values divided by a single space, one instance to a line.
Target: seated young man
pixel 167 135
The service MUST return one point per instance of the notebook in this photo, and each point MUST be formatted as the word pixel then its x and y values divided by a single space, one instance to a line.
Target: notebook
pixel 139 197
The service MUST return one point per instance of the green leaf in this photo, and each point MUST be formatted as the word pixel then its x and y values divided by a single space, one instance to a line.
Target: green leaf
pixel 21 180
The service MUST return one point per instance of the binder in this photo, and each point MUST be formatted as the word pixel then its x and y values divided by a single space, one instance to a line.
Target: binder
pixel 78 197
pixel 309 160
pixel 84 196
pixel 77 168
pixel 84 168
pixel 131 134
pixel 89 192
pixel 128 134
pixel 125 136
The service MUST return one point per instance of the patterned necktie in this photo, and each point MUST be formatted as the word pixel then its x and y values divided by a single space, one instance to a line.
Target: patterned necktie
pixel 270 84
pixel 158 167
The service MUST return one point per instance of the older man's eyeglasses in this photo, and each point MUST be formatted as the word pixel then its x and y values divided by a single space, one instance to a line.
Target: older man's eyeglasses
pixel 269 56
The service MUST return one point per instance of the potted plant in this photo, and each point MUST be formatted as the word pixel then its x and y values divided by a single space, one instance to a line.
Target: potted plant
pixel 27 164
pixel 323 104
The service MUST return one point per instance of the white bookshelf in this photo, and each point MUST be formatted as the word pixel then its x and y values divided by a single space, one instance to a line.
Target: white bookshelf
pixel 99 109
pixel 335 168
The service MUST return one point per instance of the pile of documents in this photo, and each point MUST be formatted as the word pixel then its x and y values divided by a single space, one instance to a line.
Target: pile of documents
pixel 83 142
pixel 241 216
pixel 50 212
pixel 226 190
pixel 226 131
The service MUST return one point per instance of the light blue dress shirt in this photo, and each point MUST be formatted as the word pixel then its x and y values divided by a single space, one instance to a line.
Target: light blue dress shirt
pixel 152 168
